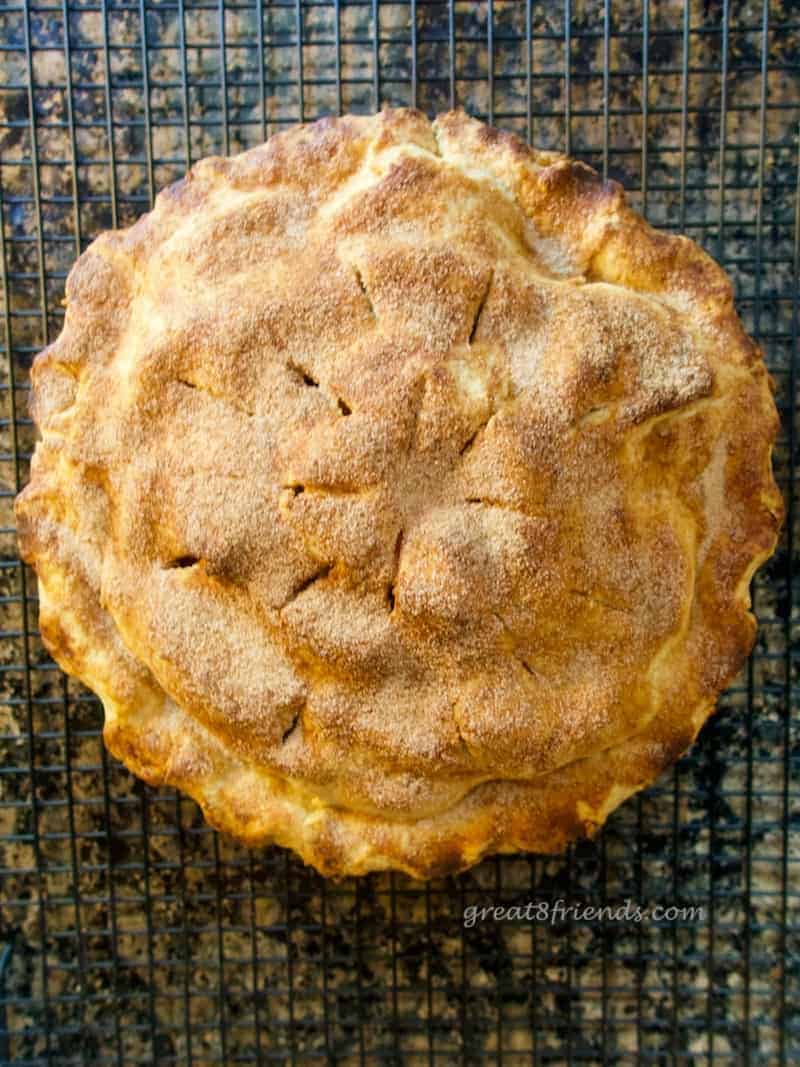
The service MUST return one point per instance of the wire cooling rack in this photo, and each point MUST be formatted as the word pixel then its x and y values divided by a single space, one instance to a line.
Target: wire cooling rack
pixel 131 933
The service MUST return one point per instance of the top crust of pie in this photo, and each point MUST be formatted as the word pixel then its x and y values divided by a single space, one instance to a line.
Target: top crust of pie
pixel 398 491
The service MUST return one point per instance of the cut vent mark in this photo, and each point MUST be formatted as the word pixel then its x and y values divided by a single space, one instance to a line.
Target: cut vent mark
pixel 510 643
pixel 362 286
pixel 398 547
pixel 303 375
pixel 290 729
pixel 470 441
pixel 503 505
pixel 473 437
pixel 182 563
pixel 479 310
pixel 327 488
pixel 311 382
pixel 531 670
pixel 491 502
pixel 235 405
pixel 312 579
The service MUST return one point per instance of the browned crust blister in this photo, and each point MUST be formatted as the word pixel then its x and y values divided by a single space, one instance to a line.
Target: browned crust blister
pixel 399 492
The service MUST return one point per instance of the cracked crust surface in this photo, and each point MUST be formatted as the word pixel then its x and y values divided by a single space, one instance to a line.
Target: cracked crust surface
pixel 398 492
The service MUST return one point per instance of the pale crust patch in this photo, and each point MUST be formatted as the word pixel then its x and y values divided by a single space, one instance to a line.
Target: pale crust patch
pixel 399 492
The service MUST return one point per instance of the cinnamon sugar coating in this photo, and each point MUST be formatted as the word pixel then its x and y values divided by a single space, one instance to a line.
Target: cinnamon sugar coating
pixel 398 491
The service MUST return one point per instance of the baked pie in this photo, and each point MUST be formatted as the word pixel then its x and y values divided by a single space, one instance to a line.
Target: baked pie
pixel 398 492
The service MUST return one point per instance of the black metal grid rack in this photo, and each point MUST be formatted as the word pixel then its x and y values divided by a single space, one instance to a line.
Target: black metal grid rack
pixel 131 933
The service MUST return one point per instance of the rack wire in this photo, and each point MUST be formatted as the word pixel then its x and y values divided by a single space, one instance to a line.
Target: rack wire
pixel 133 934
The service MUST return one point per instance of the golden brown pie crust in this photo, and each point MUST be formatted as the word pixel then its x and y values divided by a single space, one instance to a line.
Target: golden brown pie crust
pixel 399 492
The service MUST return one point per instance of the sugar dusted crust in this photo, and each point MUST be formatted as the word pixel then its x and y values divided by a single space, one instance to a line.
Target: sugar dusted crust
pixel 399 490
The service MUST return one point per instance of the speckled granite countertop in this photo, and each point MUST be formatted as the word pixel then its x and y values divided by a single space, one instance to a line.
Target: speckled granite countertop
pixel 136 934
